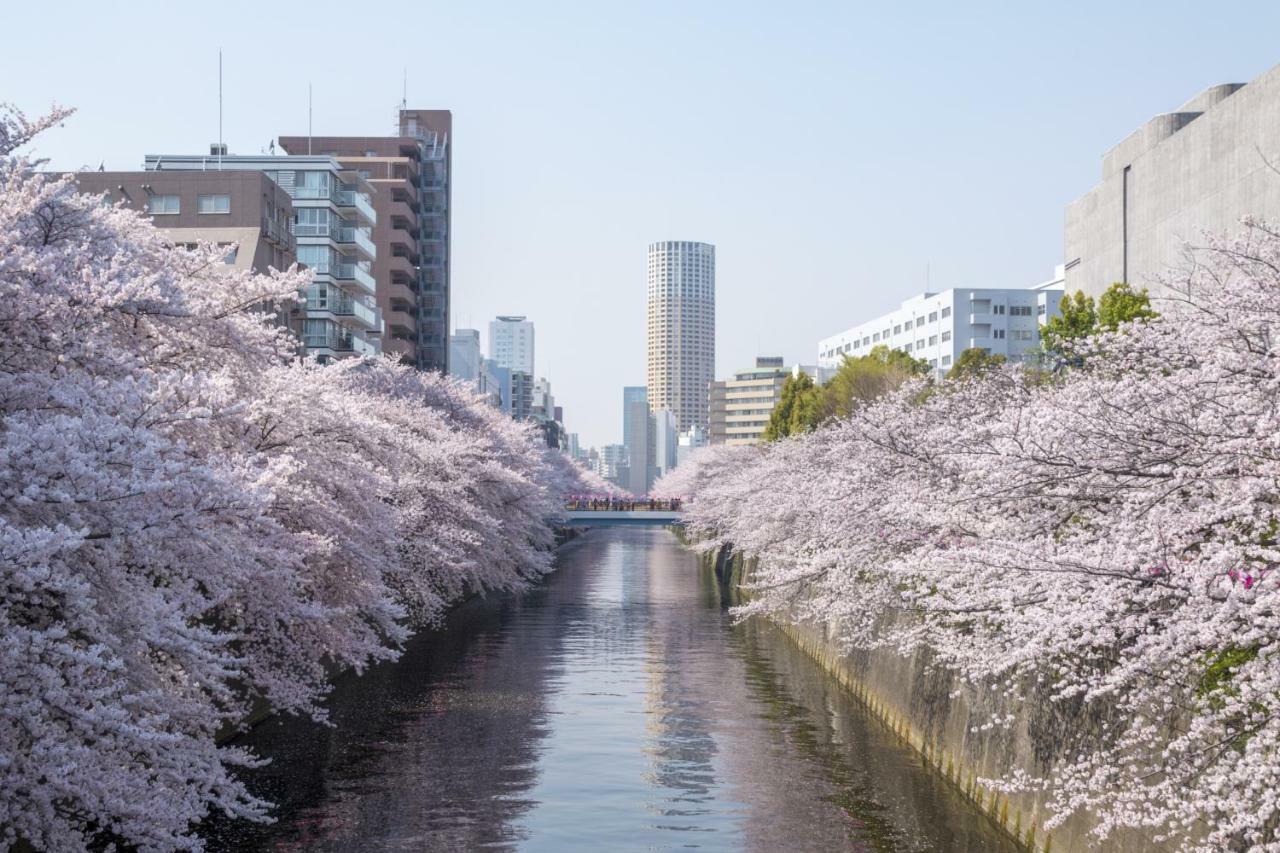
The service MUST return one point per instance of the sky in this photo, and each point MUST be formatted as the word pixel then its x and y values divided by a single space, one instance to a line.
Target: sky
pixel 839 155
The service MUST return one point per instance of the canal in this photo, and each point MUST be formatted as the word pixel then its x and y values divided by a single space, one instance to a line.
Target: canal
pixel 614 707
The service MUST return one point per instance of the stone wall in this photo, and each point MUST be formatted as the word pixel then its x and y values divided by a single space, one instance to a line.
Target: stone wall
pixel 936 714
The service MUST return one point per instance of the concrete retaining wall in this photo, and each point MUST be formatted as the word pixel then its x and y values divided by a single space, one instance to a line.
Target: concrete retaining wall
pixel 916 702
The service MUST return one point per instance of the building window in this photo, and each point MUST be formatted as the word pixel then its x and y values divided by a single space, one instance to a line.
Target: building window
pixel 897 330
pixel 164 204
pixel 919 322
pixel 217 203
pixel 933 315
pixel 933 339
pixel 997 309
pixel 1019 310
pixel 998 334
pixel 946 359
pixel 946 336
pixel 875 337
pixel 1039 310
pixel 946 312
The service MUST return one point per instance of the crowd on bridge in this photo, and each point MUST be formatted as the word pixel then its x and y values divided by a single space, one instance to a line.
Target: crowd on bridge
pixel 614 503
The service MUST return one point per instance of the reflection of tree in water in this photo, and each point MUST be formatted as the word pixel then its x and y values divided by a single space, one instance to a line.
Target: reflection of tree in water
pixel 434 751
pixel 890 801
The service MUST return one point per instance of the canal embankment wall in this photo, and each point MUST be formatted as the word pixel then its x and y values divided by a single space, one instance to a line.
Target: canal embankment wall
pixel 946 721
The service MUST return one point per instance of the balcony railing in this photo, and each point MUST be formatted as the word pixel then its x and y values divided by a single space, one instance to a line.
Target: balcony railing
pixel 278 234
pixel 332 338
pixel 358 200
pixel 365 242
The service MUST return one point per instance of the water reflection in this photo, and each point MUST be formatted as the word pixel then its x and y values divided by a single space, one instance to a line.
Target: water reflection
pixel 615 707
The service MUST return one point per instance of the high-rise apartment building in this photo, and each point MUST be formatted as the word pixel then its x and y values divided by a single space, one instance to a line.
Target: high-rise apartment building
pixel 333 216
pixel 937 327
pixel 681 329
pixel 1197 169
pixel 511 343
pixel 411 178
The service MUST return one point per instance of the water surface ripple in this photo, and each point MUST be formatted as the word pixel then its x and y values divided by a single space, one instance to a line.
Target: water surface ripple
pixel 615 707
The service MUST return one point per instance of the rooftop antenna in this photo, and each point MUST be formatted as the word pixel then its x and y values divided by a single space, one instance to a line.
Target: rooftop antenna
pixel 220 143
pixel 404 97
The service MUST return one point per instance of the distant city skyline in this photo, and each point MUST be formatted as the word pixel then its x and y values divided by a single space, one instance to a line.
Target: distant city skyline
pixel 893 140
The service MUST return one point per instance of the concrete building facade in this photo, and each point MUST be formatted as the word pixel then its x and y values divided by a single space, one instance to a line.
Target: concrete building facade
pixel 332 219
pixel 681 321
pixel 465 360
pixel 937 327
pixel 245 208
pixel 740 407
pixel 664 443
pixel 1197 169
pixel 640 452
pixel 511 343
pixel 410 176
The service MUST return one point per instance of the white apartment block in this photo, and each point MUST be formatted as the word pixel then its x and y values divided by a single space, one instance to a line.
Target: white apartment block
pixel 511 343
pixel 333 222
pixel 937 327
pixel 681 318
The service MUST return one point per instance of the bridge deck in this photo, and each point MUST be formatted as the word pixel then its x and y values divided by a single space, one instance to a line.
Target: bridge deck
pixel 588 518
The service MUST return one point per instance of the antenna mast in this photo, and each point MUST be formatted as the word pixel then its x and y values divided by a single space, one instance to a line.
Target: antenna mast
pixel 220 109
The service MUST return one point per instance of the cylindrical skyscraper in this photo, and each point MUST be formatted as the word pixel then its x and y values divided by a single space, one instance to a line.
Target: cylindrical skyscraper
pixel 682 329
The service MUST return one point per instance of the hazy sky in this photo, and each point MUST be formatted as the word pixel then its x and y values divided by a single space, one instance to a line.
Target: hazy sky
pixel 830 151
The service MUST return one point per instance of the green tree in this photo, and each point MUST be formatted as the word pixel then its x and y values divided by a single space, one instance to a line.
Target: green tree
pixel 799 408
pixel 1078 318
pixel 865 378
pixel 1122 304
pixel 973 363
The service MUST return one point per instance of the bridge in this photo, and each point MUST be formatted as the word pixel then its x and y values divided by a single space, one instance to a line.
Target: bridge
pixel 621 517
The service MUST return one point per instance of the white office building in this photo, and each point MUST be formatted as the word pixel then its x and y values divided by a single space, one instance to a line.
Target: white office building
pixel 511 343
pixel 681 317
pixel 937 327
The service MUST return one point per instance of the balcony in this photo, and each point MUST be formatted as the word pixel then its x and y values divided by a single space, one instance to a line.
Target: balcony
pixel 340 304
pixel 365 242
pixel 356 273
pixel 332 338
pixel 358 200
pixel 278 235
pixel 401 265
pixel 401 322
pixel 402 293
pixel 979 317
pixel 400 210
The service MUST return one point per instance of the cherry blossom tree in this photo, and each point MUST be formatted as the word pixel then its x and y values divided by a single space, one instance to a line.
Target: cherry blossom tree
pixel 1109 533
pixel 195 522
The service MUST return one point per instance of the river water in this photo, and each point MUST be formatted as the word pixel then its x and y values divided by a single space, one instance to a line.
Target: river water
pixel 615 707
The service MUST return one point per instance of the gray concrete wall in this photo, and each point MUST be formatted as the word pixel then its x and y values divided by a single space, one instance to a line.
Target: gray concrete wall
pixel 935 713
pixel 1195 170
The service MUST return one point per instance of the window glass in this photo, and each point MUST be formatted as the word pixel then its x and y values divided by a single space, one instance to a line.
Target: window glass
pixel 164 204
pixel 216 203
